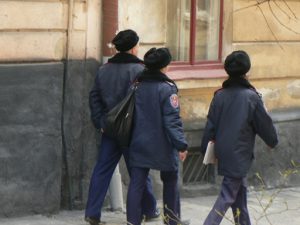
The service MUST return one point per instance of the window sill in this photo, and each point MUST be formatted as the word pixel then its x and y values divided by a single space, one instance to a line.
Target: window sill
pixel 196 72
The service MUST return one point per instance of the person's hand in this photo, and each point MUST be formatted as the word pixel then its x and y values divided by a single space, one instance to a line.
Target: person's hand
pixel 102 131
pixel 182 155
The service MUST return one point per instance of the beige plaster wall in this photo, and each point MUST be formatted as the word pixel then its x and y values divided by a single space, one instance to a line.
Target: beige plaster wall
pixel 151 28
pixel 266 22
pixel 94 29
pixel 33 15
pixel 269 60
pixel 271 35
pixel 32 46
pixel 49 30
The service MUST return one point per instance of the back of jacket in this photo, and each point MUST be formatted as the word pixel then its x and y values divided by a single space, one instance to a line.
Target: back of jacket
pixel 111 85
pixel 235 116
pixel 158 133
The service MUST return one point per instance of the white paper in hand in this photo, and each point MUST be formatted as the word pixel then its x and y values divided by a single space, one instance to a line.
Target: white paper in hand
pixel 209 157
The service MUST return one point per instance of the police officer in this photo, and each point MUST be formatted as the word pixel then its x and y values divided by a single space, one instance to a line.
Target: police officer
pixel 158 141
pixel 236 115
pixel 111 85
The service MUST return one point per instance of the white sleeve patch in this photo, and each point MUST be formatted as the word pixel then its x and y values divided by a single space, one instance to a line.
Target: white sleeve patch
pixel 174 101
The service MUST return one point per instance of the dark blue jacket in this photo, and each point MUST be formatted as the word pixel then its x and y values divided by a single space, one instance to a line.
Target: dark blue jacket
pixel 111 85
pixel 157 134
pixel 236 115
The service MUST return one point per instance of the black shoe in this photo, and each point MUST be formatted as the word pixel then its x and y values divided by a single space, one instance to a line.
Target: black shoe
pixel 154 216
pixel 93 221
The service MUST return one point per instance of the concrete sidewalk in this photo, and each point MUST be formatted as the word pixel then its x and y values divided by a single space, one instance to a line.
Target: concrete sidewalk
pixel 284 209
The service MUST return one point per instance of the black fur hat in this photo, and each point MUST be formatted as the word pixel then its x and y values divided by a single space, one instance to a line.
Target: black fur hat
pixel 155 59
pixel 237 63
pixel 125 40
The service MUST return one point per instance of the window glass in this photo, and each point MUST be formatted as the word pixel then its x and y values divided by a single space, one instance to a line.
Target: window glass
pixel 178 29
pixel 207 30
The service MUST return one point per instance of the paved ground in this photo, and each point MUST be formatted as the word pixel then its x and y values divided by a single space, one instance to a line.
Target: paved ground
pixel 284 209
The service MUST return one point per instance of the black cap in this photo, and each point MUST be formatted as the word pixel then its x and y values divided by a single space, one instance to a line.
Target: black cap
pixel 155 59
pixel 125 40
pixel 237 63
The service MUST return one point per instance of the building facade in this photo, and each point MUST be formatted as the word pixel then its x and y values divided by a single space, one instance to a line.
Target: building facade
pixel 50 52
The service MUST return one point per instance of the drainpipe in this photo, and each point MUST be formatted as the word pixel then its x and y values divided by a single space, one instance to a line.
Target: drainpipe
pixel 66 68
pixel 110 27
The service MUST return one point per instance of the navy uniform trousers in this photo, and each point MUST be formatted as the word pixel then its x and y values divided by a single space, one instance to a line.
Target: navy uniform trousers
pixel 171 200
pixel 233 194
pixel 108 158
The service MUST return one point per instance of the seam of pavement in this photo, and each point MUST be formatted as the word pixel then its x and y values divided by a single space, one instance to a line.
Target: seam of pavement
pixel 271 207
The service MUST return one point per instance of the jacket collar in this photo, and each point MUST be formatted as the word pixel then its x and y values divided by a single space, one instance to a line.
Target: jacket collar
pixel 155 75
pixel 123 57
pixel 239 81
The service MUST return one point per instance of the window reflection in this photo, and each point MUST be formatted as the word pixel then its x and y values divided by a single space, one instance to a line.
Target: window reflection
pixel 179 26
pixel 178 29
pixel 207 30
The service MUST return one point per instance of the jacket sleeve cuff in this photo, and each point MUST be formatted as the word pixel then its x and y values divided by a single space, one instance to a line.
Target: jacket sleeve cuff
pixel 183 148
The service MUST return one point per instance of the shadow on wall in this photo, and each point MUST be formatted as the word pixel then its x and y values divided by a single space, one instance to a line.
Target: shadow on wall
pixel 47 142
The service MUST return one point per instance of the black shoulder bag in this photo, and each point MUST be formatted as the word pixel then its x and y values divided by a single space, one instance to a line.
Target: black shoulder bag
pixel 119 119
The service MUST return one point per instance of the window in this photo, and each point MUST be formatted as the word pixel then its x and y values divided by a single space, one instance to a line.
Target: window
pixel 193 30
